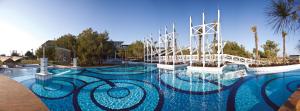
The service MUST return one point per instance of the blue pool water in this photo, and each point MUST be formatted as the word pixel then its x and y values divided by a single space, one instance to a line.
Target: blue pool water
pixel 138 87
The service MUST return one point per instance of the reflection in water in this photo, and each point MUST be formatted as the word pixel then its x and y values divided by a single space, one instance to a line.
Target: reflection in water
pixel 16 72
pixel 199 83
pixel 191 83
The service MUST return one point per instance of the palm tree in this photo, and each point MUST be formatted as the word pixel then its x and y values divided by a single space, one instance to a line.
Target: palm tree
pixel 200 31
pixel 283 45
pixel 254 30
pixel 214 46
pixel 215 38
pixel 282 15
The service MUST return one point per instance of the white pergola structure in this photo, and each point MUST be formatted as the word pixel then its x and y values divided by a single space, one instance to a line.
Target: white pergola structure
pixel 206 29
pixel 150 50
pixel 169 43
pixel 146 50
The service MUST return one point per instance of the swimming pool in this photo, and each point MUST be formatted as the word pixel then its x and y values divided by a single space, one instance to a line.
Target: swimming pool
pixel 138 87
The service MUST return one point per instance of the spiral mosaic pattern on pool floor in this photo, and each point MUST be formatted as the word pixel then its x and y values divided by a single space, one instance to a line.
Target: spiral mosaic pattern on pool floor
pixel 247 93
pixel 119 95
pixel 95 93
pixel 195 85
pixel 56 88
pixel 291 84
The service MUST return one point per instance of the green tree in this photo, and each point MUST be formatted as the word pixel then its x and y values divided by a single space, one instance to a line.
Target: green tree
pixel 283 16
pixel 87 47
pixel 29 55
pixel 200 31
pixel 254 30
pixel 49 50
pixel 49 53
pixel 121 52
pixel 234 48
pixel 67 41
pixel 93 47
pixel 270 49
pixel 261 54
pixel 136 49
pixel 14 53
pixel 214 42
pixel 186 52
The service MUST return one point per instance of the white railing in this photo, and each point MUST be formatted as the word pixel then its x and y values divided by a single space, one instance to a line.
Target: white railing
pixel 212 58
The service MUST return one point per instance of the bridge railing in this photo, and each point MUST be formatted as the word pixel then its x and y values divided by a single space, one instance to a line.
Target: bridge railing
pixel 212 58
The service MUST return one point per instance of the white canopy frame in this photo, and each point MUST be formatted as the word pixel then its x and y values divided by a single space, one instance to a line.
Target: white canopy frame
pixel 168 42
pixel 150 50
pixel 207 29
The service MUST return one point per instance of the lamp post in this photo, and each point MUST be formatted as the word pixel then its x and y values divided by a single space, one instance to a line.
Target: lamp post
pixel 44 62
pixel 43 75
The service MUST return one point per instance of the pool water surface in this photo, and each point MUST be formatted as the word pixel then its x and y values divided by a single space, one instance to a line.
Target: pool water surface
pixel 139 87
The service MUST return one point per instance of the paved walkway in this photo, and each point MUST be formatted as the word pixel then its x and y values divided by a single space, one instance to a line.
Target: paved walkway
pixel 16 97
pixel 293 103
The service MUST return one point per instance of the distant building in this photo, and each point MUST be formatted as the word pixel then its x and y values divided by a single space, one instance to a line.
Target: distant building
pixel 10 61
pixel 294 58
pixel 118 44
pixel 124 46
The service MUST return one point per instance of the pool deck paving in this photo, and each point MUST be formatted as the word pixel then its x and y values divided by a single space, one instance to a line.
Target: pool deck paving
pixel 293 102
pixel 16 97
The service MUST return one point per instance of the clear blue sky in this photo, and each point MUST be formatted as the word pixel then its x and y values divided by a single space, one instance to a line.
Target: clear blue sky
pixel 130 20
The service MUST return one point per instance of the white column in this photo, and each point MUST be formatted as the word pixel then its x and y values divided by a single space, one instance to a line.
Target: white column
pixel 218 32
pixel 222 50
pixel 44 65
pixel 219 43
pixel 191 34
pixel 174 47
pixel 203 40
pixel 159 50
pixel 151 48
pixel 147 51
pixel 144 50
pixel 166 46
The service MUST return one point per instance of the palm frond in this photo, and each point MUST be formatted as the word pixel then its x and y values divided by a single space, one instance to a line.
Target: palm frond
pixel 282 16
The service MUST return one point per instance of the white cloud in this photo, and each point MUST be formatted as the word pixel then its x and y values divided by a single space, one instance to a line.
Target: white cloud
pixel 13 37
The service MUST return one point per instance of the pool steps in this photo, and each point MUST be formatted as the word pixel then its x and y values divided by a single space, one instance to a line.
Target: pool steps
pixel 43 76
